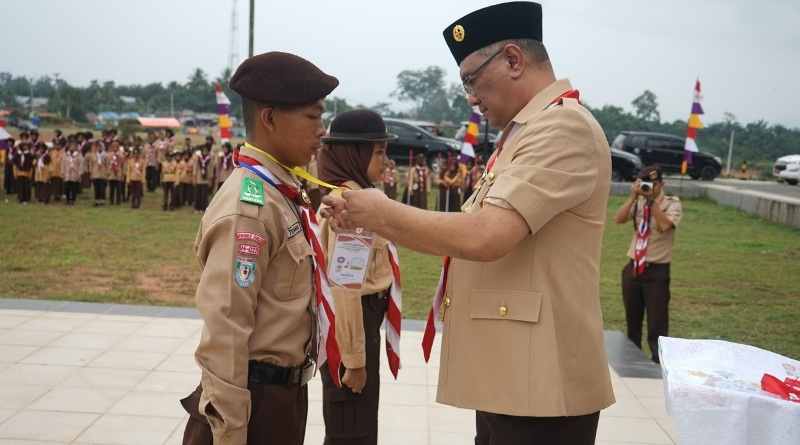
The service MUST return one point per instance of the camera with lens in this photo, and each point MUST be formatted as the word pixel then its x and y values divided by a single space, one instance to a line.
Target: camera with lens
pixel 646 187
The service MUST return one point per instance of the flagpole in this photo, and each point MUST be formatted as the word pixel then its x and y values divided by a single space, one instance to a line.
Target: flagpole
pixel 730 152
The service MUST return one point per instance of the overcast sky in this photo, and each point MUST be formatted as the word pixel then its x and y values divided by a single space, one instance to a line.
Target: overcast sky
pixel 745 53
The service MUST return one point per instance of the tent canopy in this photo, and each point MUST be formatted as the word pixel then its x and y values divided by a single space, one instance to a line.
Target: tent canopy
pixel 159 122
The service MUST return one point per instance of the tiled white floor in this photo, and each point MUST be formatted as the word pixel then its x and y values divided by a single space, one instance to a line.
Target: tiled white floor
pixel 86 378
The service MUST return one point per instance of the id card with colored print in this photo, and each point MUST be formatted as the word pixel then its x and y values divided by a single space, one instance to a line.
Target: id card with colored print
pixel 350 260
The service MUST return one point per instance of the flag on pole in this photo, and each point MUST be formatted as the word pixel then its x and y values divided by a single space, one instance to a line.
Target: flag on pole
pixel 223 109
pixel 470 139
pixel 694 124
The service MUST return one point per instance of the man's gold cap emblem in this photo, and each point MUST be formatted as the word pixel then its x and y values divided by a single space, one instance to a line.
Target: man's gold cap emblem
pixel 458 33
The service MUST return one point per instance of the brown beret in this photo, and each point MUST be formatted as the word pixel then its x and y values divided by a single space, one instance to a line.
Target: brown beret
pixel 279 78
pixel 481 28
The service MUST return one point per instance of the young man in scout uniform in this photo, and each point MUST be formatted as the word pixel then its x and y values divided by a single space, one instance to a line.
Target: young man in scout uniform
pixel 169 173
pixel 256 292
pixel 203 172
pixel 115 166
pixel 72 171
pixel 523 330
pixel 135 177
pixel 56 158
pixel 645 278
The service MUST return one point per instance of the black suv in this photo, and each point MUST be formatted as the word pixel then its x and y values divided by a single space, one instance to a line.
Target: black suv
pixel 411 136
pixel 624 166
pixel 666 151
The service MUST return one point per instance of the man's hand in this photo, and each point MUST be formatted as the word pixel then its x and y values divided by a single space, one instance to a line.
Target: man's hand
pixel 356 208
pixel 355 379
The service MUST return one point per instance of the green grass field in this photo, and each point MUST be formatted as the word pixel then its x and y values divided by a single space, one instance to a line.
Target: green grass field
pixel 734 276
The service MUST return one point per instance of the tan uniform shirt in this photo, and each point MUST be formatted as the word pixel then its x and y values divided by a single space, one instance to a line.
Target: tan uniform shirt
pixel 72 166
pixel 347 304
pixel 659 244
pixel 96 165
pixel 41 171
pixel 169 171
pixel 56 158
pixel 523 335
pixel 255 294
pixel 115 165
pixel 135 169
pixel 186 174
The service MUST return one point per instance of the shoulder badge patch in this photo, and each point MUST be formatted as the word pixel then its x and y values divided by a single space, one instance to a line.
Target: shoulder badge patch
pixel 245 271
pixel 252 191
pixel 247 249
pixel 250 236
pixel 293 230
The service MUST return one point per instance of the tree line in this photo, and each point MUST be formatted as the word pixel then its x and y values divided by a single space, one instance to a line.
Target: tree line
pixel 429 97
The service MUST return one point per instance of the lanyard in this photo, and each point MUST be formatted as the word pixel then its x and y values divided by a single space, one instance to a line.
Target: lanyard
pixel 296 170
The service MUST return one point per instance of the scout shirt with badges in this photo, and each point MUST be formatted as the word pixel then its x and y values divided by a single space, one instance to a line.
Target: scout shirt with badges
pixel 350 322
pixel 523 335
pixel 255 292
pixel 659 244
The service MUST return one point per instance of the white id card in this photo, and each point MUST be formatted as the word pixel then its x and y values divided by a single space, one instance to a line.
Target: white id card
pixel 350 260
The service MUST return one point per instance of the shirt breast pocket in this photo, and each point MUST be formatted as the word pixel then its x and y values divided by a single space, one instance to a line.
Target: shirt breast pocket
pixel 506 305
pixel 295 273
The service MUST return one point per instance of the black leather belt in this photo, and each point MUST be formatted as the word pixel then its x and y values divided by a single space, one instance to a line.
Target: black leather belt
pixel 269 374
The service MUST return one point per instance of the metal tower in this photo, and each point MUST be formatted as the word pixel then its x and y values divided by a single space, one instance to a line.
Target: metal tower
pixel 233 51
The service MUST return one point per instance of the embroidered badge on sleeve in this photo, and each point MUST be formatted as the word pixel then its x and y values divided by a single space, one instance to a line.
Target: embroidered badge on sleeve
pixel 252 191
pixel 245 271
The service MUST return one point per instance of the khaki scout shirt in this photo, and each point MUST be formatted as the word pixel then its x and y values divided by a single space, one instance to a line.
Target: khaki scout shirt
pixel 72 166
pixel 659 244
pixel 523 335
pixel 169 171
pixel 135 169
pixel 115 159
pixel 255 294
pixel 347 304
pixel 56 157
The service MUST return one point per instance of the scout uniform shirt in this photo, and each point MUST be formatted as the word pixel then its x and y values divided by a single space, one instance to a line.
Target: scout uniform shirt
pixel 135 169
pixel 72 166
pixel 57 157
pixel 255 292
pixel 169 171
pixel 349 317
pixel 115 165
pixel 523 335
pixel 659 244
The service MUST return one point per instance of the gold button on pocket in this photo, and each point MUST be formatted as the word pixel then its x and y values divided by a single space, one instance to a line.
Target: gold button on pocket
pixel 491 175
pixel 502 311
pixel 446 301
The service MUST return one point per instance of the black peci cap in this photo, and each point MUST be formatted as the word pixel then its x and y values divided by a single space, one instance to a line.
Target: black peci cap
pixel 278 78
pixel 481 28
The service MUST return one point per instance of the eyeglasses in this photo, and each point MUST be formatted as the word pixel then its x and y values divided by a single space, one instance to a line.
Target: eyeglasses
pixel 467 82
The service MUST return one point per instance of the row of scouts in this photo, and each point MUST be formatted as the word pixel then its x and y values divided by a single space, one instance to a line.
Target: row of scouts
pixel 522 342
pixel 113 169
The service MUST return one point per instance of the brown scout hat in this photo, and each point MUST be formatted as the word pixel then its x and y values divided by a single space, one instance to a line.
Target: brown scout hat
pixel 481 28
pixel 278 78
pixel 358 126
pixel 651 173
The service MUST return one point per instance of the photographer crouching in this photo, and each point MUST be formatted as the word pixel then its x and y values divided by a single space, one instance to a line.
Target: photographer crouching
pixel 645 278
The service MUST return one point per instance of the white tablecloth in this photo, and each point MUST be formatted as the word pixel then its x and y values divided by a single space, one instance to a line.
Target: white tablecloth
pixel 713 392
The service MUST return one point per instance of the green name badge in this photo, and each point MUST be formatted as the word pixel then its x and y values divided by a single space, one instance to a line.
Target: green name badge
pixel 252 191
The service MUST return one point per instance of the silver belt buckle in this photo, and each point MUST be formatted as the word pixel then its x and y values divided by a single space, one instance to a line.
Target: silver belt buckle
pixel 307 372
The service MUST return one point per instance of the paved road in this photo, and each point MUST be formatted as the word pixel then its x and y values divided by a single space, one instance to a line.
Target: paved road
pixel 773 187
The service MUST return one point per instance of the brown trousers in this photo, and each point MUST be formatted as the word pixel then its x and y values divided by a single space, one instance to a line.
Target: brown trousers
pixel 278 416
pixel 350 418
pixel 500 429
pixel 647 294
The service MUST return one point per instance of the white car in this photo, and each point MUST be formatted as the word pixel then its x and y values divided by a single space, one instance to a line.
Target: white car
pixel 787 169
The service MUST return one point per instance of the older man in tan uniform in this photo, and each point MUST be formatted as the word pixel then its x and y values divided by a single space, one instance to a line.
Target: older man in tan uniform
pixel 523 330
pixel 256 291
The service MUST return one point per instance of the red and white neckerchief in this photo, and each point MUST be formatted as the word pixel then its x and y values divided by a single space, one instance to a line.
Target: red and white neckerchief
pixel 420 177
pixel 114 163
pixel 72 155
pixel 40 163
pixel 642 237
pixel 226 160
pixel 148 153
pixel 203 162
pixel 327 348
pixel 394 309
pixel 100 155
pixel 137 167
pixel 433 315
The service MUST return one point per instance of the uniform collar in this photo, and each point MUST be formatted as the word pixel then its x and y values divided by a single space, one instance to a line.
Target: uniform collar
pixel 280 172
pixel 542 100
